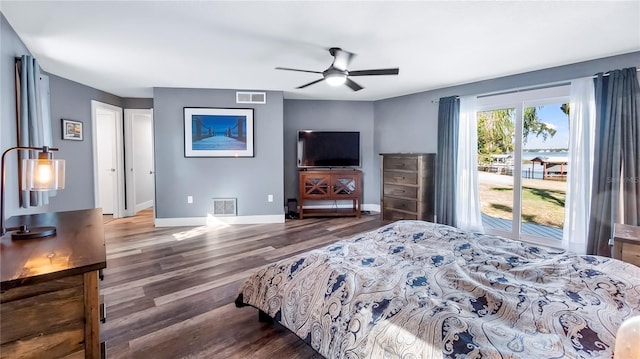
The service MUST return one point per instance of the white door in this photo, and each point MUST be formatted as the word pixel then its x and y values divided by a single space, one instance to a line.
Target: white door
pixel 107 158
pixel 107 189
pixel 140 163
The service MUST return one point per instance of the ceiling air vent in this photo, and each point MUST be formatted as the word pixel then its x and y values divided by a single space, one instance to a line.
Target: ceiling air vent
pixel 251 97
pixel 224 207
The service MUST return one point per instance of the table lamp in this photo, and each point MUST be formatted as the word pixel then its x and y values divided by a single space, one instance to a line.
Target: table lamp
pixel 38 174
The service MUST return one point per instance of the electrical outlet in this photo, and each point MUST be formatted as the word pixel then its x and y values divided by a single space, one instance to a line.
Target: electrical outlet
pixel 189 199
pixel 270 198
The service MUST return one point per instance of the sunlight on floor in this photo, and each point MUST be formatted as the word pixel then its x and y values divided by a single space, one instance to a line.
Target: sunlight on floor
pixel 212 223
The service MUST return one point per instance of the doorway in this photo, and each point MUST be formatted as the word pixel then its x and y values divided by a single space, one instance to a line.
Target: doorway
pixel 523 163
pixel 140 176
pixel 108 163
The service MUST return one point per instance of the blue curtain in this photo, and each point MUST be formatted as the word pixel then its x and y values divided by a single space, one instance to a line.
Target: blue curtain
pixel 617 157
pixel 446 159
pixel 34 117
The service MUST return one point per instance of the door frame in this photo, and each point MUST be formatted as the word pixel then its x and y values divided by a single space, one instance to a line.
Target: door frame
pixel 129 162
pixel 519 100
pixel 119 200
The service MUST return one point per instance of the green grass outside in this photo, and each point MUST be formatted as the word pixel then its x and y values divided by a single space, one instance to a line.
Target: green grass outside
pixel 542 201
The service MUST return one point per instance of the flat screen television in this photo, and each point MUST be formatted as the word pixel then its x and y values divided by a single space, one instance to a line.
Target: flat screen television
pixel 328 149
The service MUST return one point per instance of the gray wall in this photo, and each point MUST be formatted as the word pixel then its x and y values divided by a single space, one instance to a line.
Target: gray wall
pixel 11 48
pixel 72 100
pixel 250 180
pixel 409 123
pixel 69 100
pixel 138 103
pixel 330 115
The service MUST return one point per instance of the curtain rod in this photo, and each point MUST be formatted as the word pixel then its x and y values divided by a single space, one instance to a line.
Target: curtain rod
pixel 524 89
pixel 607 74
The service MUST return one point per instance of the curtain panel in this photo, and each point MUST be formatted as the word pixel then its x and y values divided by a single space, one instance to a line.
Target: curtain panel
pixel 580 167
pixel 616 157
pixel 446 160
pixel 33 117
pixel 467 204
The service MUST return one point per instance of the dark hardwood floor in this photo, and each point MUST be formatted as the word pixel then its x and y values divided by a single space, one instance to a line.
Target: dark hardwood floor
pixel 169 292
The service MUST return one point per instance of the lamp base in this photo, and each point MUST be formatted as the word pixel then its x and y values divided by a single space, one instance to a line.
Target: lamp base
pixel 35 232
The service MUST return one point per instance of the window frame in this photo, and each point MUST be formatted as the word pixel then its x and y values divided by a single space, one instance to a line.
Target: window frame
pixel 520 100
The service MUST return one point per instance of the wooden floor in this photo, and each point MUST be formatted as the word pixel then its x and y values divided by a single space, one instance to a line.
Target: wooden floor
pixel 169 291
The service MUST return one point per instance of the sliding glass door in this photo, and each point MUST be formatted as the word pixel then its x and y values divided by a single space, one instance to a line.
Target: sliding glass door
pixel 496 146
pixel 523 163
pixel 545 159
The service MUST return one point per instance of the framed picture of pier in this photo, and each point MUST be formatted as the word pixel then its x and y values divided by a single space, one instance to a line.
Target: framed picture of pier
pixel 71 130
pixel 218 132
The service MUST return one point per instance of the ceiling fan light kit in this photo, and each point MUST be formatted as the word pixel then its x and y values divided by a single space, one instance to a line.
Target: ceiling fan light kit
pixel 335 78
pixel 337 74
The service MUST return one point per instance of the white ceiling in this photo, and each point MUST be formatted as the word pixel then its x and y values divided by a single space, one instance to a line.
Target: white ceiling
pixel 128 47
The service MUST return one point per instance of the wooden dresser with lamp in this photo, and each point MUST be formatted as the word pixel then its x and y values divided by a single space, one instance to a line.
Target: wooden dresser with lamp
pixel 49 295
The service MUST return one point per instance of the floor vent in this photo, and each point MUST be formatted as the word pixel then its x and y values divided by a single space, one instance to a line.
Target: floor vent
pixel 224 207
pixel 251 97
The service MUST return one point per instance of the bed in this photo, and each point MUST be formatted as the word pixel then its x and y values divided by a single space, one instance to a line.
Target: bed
pixel 415 289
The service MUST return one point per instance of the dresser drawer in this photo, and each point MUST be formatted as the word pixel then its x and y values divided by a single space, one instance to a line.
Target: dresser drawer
pixel 402 204
pixel 392 215
pixel 400 191
pixel 401 177
pixel 626 243
pixel 631 253
pixel 401 163
pixel 47 317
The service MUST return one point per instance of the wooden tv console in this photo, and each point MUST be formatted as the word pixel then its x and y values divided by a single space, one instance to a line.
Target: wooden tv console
pixel 330 185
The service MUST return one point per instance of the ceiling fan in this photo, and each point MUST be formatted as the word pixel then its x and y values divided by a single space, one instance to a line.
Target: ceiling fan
pixel 337 74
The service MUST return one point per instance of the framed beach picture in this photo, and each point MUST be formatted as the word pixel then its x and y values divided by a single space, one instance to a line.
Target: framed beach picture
pixel 218 132
pixel 71 130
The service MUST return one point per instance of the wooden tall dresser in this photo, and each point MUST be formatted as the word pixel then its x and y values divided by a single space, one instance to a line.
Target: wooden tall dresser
pixel 407 186
pixel 49 300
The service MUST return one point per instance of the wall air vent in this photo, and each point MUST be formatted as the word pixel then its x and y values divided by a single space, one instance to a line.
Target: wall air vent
pixel 251 97
pixel 224 207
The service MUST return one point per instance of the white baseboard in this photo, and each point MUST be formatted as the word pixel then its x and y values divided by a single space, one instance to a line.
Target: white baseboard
pixel 144 205
pixel 212 221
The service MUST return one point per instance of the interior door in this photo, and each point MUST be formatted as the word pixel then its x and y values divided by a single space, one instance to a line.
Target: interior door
pixel 140 161
pixel 106 144
pixel 108 158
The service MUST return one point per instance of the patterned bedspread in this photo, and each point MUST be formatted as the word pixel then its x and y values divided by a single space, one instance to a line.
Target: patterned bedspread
pixel 414 289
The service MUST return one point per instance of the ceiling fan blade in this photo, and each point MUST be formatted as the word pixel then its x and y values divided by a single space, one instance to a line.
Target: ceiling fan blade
pixel 393 71
pixel 341 58
pixel 310 83
pixel 289 69
pixel 354 86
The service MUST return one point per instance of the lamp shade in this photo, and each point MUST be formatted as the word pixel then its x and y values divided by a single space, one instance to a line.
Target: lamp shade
pixel 42 174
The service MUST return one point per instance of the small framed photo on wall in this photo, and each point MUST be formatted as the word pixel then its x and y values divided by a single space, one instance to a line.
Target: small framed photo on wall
pixel 71 130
